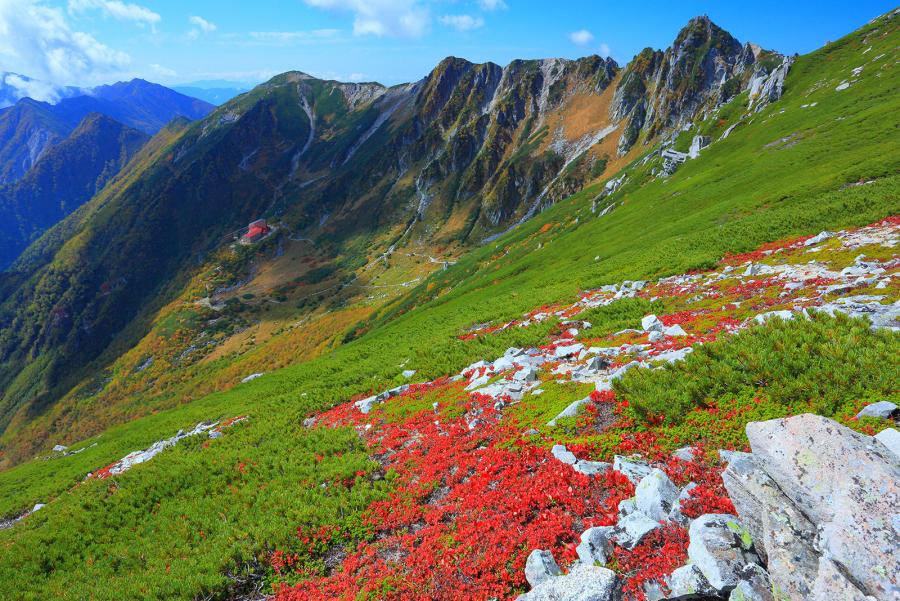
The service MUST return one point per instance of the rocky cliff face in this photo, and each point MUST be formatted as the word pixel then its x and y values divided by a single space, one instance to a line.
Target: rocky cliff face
pixel 660 92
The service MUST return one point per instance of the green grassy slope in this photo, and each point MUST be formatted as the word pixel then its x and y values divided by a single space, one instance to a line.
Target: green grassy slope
pixel 175 527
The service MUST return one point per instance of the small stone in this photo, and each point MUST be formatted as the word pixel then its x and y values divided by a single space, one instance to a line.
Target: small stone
pixel 563 454
pixel 675 330
pixel 652 323
pixel 540 566
pixel 596 545
pixel 688 581
pixel 59 448
pixel 684 453
pixel 592 468
pixel 38 507
pixel 656 336
pixel 215 434
pixel 883 409
pixel 408 373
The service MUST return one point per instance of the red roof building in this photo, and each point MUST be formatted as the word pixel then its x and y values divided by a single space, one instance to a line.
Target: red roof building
pixel 256 231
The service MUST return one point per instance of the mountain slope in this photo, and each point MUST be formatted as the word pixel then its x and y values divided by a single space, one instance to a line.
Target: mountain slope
pixel 451 160
pixel 63 179
pixel 29 128
pixel 202 519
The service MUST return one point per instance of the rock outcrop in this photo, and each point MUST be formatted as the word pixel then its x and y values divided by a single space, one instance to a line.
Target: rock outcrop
pixel 822 504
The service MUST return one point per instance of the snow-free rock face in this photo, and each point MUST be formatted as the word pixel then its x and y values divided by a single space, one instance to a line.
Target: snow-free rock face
pixel 655 495
pixel 661 92
pixel 823 503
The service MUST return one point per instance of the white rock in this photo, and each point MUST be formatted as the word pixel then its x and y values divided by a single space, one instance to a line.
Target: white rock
pixel 408 373
pixel 596 545
pixel 656 336
pixel 634 469
pixel 592 468
pixel 567 350
pixel 652 323
pixel 655 495
pixel 563 454
pixel 38 507
pixel 819 238
pixel 570 411
pixel 675 330
pixel 882 409
pixel 783 315
pixel 632 529
pixel 59 448
pixel 540 566
pixel 251 377
pixel 687 582
pixel 891 439
pixel 582 583
pixel 754 585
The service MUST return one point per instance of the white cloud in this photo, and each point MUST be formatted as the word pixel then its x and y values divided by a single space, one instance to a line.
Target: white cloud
pixel 401 18
pixel 462 22
pixel 355 77
pixel 163 71
pixel 582 37
pixel 291 37
pixel 492 5
pixel 604 50
pixel 202 24
pixel 36 40
pixel 14 87
pixel 117 10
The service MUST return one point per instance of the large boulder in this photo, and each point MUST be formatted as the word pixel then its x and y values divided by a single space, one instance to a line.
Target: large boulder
pixel 721 548
pixel 782 535
pixel 582 583
pixel 882 409
pixel 655 495
pixel 890 438
pixel 540 566
pixel 849 488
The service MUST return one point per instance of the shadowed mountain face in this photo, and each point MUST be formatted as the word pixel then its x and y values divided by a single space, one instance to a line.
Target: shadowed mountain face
pixel 29 128
pixel 64 178
pixel 466 153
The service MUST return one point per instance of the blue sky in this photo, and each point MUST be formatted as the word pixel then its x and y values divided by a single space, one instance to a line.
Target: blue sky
pixel 85 42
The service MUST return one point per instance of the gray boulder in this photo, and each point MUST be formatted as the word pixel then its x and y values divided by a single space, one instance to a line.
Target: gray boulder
pixel 884 409
pixel 720 547
pixel 633 468
pixel 655 495
pixel 582 583
pixel 596 545
pixel 847 486
pixel 782 535
pixel 632 529
pixel 540 566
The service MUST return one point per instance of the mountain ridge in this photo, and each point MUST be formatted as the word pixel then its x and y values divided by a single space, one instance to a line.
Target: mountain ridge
pixel 466 152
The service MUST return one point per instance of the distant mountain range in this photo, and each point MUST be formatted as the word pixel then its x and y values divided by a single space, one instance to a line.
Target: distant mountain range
pixel 66 176
pixel 30 127
pixel 218 92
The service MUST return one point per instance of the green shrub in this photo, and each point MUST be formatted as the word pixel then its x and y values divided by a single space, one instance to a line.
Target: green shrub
pixel 823 361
